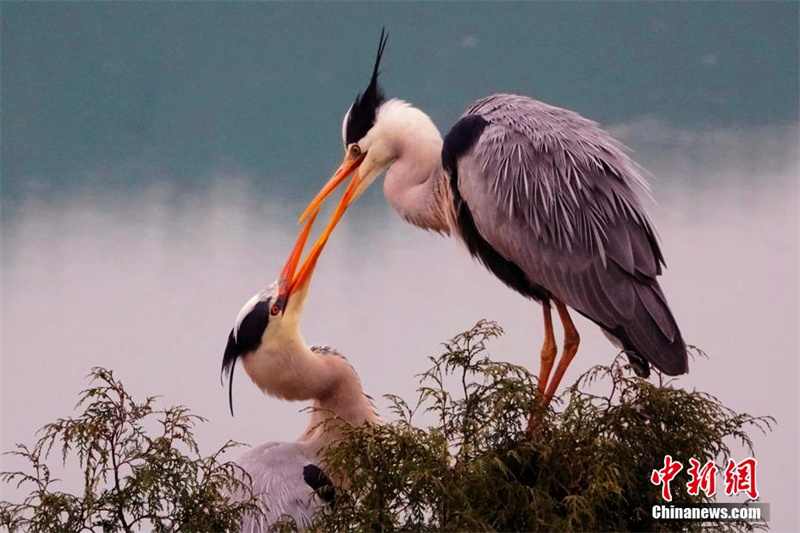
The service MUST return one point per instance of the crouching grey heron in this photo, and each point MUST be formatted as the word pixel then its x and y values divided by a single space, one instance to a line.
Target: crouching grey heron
pixel 543 197
pixel 266 337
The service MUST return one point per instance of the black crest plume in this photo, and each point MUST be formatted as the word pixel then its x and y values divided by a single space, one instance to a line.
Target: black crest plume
pixel 362 114
pixel 229 364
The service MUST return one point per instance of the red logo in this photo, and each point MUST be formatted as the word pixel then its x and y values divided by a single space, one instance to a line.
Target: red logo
pixel 741 478
pixel 665 475
pixel 704 479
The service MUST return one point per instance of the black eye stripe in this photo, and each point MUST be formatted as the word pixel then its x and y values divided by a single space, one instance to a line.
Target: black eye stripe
pixel 248 336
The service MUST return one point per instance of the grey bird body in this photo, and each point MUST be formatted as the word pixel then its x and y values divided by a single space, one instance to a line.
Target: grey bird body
pixel 544 198
pixel 557 197
pixel 276 472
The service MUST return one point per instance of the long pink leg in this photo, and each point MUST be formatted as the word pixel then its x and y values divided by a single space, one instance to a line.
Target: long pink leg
pixel 547 358
pixel 549 349
pixel 571 342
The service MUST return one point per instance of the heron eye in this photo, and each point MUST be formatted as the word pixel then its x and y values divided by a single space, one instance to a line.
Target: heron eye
pixel 355 150
pixel 275 310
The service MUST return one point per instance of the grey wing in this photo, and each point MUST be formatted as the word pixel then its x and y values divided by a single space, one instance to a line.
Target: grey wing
pixel 276 472
pixel 556 196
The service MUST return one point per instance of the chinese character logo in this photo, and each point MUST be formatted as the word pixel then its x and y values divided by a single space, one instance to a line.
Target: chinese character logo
pixel 665 475
pixel 704 479
pixel 741 478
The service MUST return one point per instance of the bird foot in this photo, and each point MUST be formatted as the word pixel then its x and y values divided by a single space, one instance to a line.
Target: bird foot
pixel 536 421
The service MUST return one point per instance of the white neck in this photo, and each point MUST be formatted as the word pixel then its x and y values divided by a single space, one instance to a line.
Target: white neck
pixel 345 403
pixel 285 367
pixel 415 178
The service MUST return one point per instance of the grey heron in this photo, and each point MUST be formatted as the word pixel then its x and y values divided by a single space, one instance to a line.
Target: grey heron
pixel 543 197
pixel 266 337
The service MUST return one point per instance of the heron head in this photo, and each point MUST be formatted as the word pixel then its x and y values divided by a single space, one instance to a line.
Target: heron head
pixel 366 151
pixel 375 133
pixel 272 316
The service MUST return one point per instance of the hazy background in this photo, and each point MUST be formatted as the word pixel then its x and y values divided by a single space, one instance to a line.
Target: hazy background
pixel 155 157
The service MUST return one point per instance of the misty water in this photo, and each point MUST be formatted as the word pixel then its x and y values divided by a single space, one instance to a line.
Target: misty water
pixel 155 159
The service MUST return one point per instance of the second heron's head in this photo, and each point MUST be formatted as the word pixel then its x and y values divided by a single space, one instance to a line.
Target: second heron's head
pixel 267 326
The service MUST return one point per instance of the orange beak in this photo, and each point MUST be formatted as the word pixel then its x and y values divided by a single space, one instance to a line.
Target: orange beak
pixel 311 261
pixel 285 281
pixel 349 165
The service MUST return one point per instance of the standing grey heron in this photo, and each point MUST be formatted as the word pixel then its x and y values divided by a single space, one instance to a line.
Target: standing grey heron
pixel 543 197
pixel 266 337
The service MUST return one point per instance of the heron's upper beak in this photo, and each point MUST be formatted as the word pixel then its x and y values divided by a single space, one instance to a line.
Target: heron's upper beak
pixel 348 166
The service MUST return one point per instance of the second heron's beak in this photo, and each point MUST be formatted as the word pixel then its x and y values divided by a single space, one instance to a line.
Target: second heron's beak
pixel 348 166
pixel 304 274
pixel 286 279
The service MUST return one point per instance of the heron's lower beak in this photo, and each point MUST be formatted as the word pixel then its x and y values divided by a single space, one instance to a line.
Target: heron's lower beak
pixel 349 165
pixel 304 275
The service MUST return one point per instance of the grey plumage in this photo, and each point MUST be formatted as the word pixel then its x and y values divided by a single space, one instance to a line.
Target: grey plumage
pixel 557 196
pixel 276 471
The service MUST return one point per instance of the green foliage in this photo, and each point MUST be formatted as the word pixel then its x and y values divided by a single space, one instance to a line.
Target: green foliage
pixel 587 468
pixel 133 479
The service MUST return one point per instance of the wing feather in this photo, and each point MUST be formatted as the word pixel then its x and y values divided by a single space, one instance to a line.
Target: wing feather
pixel 658 311
pixel 556 196
pixel 276 472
